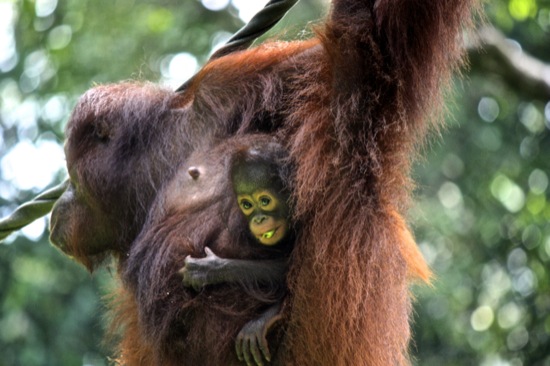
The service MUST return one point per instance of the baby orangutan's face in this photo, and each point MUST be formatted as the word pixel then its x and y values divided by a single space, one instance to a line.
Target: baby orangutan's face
pixel 266 213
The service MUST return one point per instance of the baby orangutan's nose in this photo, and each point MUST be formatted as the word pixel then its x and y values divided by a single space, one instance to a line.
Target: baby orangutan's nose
pixel 259 219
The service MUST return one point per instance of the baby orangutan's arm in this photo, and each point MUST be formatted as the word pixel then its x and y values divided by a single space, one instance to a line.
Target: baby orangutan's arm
pixel 211 270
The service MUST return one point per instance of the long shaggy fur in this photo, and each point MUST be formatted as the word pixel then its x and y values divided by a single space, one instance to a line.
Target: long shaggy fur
pixel 352 107
pixel 185 326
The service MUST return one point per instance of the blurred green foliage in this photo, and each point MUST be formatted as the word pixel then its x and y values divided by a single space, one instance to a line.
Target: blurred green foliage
pixel 482 216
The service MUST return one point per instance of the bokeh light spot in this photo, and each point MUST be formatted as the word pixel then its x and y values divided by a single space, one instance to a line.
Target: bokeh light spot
pixel 488 109
pixel 34 230
pixel 32 166
pixel 450 195
pixel 517 339
pixel 522 9
pixel 176 69
pixel 452 166
pixel 508 193
pixel 215 5
pixel 509 315
pixel 531 118
pixel 482 318
pixel 524 281
pixel 8 53
pixel 160 20
pixel 55 109
pixel 547 246
pixel 44 8
pixel 547 114
pixel 219 39
pixel 60 37
pixel 248 8
pixel 538 181
pixel 531 236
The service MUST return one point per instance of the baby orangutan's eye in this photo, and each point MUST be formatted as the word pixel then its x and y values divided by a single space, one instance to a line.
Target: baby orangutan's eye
pixel 247 205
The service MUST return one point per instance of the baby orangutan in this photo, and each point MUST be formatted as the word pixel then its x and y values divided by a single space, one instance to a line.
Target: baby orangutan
pixel 259 185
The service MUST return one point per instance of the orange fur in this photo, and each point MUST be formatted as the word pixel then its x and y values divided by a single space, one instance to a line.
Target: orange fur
pixel 418 269
pixel 133 348
pixel 352 106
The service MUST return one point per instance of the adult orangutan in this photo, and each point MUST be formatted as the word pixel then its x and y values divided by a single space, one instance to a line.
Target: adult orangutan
pixel 351 106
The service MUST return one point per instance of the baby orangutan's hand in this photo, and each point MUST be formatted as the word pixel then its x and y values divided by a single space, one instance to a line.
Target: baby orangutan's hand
pixel 200 272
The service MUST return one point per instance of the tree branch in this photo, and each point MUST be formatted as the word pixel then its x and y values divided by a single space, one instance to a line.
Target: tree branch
pixel 492 52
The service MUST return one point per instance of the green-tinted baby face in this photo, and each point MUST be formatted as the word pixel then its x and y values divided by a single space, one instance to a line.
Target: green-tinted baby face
pixel 260 200
pixel 266 214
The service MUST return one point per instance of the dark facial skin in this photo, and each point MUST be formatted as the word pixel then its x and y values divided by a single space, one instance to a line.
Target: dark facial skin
pixel 263 205
pixel 117 157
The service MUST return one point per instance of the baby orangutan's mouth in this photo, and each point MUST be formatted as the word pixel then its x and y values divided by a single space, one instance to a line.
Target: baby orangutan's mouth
pixel 269 234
